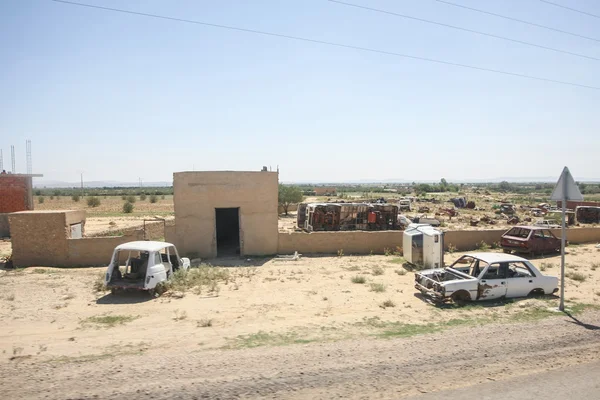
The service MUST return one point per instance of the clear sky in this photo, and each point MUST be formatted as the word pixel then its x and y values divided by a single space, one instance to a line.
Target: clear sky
pixel 119 96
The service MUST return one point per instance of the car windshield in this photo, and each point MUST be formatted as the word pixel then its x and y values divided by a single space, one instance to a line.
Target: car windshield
pixel 469 265
pixel 519 232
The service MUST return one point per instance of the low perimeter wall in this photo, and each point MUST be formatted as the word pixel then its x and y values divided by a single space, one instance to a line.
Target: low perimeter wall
pixel 360 242
pixel 95 251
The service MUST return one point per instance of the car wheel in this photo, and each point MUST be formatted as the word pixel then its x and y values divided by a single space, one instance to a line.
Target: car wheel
pixel 536 293
pixel 460 298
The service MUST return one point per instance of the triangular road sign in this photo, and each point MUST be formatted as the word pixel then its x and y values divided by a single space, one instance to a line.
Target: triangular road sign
pixel 566 188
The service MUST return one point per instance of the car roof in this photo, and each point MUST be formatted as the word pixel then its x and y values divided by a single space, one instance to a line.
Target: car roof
pixel 143 245
pixel 532 227
pixel 491 258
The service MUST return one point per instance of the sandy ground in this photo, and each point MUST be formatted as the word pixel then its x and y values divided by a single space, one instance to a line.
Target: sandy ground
pixel 109 205
pixel 264 301
pixel 114 225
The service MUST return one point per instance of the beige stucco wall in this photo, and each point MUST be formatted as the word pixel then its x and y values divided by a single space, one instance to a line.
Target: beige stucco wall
pixel 197 194
pixel 358 242
pixel 355 242
pixel 95 251
pixel 4 225
pixel 40 237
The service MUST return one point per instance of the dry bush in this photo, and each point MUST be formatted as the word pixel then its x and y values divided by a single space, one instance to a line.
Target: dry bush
pixel 358 279
pixel 377 270
pixel 377 287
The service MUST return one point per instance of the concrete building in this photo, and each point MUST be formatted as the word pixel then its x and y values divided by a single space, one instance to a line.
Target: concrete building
pixel 225 213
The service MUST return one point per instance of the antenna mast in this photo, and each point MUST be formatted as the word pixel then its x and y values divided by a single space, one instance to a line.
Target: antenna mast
pixel 12 154
pixel 29 162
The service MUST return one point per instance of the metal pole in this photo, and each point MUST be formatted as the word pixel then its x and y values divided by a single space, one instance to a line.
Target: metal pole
pixel 561 307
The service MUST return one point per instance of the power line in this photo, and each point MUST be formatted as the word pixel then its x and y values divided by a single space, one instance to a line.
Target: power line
pixel 346 46
pixel 569 8
pixel 427 21
pixel 519 20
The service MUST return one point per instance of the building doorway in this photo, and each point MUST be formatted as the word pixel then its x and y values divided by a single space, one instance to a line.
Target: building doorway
pixel 228 231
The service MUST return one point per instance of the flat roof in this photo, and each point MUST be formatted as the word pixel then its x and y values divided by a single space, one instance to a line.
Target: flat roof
pixel 22 175
pixel 491 258
pixel 143 245
pixel 47 211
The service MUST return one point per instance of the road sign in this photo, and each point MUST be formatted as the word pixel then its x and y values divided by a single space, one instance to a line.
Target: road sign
pixel 565 189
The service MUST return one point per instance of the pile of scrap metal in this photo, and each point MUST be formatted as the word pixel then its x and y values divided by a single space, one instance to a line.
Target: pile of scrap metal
pixel 459 202
pixel 588 214
pixel 505 208
pixel 348 217
pixel 451 212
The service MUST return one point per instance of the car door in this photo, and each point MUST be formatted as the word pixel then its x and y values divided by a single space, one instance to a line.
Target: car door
pixel 551 242
pixel 492 283
pixel 520 280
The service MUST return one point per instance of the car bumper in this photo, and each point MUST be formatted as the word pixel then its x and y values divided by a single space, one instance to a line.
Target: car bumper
pixel 432 294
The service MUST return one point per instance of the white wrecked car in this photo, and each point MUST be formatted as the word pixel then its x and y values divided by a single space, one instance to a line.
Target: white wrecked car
pixel 485 276
pixel 143 265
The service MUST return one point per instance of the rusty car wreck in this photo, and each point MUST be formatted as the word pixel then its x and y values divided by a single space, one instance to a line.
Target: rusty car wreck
pixel 484 276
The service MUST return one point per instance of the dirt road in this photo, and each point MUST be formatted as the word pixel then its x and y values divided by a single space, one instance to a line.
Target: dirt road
pixel 364 368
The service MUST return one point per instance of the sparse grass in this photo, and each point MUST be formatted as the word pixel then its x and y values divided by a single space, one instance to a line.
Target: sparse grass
pixel 483 246
pixel 267 339
pixel 595 266
pixel 495 245
pixel 340 253
pixel 180 315
pixel 387 303
pixel 352 268
pixel 377 270
pixel 10 297
pixel 99 286
pixel 397 260
pixel 377 287
pixel 196 278
pixel 388 252
pixel 576 276
pixel 358 279
pixel 42 271
pixel 204 323
pixel 109 321
pixel 451 248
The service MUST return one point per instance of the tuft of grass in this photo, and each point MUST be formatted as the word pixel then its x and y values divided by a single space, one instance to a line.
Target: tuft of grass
pixel 576 276
pixel 99 286
pixel 388 252
pixel 495 245
pixel 598 293
pixel 110 321
pixel 358 279
pixel 153 199
pixel 544 266
pixel 340 253
pixel 387 303
pixel 204 323
pixel 10 297
pixel 377 270
pixel 377 287
pixel 400 271
pixel 451 248
pixel 352 268
pixel 180 315
pixel 595 266
pixel 483 246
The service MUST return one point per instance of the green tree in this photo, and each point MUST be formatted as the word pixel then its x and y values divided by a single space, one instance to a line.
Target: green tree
pixel 93 201
pixel 128 207
pixel 505 186
pixel 289 195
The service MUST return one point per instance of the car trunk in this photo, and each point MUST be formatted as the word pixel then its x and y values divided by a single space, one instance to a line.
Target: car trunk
pixel 129 270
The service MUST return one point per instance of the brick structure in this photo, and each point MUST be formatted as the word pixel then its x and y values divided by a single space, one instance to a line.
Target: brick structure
pixel 16 193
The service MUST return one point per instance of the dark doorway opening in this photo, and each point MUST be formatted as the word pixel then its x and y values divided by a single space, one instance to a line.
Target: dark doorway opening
pixel 228 231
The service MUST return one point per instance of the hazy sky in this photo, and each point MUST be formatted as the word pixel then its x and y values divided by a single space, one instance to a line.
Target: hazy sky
pixel 122 96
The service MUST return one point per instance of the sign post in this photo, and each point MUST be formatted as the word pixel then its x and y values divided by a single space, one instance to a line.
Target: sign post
pixel 565 189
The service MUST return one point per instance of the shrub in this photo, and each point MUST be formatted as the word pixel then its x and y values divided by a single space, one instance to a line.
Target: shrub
pixel 128 207
pixel 143 196
pixel 483 246
pixel 75 197
pixel 41 199
pixel 162 197
pixel 451 248
pixel 131 199
pixel 51 197
pixel 93 201
pixel 153 199
pixel 387 303
pixel 123 197
pixel 204 323
pixel 377 287
pixel 358 279
pixel 377 270
pixel 576 276
pixel 340 252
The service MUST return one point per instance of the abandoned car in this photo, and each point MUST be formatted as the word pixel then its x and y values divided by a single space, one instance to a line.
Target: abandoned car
pixel 484 276
pixel 143 265
pixel 530 239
